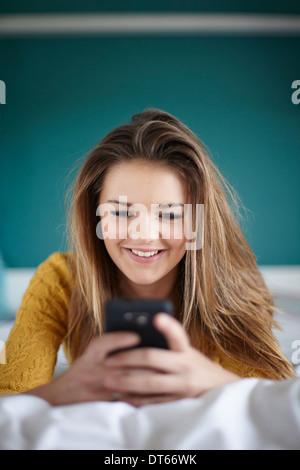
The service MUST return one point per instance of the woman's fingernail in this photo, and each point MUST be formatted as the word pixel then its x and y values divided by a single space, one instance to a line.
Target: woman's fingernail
pixel 163 318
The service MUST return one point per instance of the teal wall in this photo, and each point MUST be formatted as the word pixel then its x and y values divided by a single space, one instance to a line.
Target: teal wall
pixel 248 6
pixel 65 94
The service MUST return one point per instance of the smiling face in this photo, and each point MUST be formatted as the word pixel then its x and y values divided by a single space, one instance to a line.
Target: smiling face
pixel 148 244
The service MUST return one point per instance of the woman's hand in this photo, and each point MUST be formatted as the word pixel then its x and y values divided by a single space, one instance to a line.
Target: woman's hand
pixel 84 380
pixel 150 375
pixel 139 376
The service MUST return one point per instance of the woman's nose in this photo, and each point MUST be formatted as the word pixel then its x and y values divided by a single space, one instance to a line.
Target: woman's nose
pixel 145 226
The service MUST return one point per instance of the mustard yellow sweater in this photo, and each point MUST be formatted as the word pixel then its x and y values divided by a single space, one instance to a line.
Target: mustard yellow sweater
pixel 41 325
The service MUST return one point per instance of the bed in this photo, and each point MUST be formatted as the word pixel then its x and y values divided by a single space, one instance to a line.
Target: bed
pixel 249 414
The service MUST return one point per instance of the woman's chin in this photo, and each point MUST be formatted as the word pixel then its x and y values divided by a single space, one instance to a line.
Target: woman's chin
pixel 143 281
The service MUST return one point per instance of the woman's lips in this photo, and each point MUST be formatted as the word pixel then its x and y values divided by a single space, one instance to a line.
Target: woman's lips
pixel 144 259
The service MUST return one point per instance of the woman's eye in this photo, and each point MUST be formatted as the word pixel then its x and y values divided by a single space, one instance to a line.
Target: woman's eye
pixel 167 216
pixel 171 216
pixel 121 213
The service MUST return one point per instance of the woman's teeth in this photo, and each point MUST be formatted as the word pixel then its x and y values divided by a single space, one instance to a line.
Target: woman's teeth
pixel 145 254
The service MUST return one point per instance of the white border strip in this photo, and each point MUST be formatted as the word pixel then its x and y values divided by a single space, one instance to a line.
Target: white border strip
pixel 148 23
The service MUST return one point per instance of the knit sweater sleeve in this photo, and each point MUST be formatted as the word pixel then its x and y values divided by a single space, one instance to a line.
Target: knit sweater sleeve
pixel 40 327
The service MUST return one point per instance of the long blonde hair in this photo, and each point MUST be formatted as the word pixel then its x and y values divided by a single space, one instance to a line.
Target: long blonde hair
pixel 226 305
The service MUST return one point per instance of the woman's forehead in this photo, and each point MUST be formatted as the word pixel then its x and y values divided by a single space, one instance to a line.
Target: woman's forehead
pixel 143 180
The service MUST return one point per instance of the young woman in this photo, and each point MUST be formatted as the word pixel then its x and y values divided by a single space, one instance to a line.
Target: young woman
pixel 223 309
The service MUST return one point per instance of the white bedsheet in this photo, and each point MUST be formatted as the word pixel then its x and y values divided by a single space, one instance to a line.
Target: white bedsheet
pixel 249 414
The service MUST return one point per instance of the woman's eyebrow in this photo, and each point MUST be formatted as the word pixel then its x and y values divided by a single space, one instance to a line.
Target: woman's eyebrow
pixel 167 204
pixel 120 202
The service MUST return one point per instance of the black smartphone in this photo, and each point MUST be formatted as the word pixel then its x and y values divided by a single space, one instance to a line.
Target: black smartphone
pixel 124 314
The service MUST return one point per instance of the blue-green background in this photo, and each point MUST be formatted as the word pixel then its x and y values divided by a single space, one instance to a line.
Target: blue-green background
pixel 65 93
